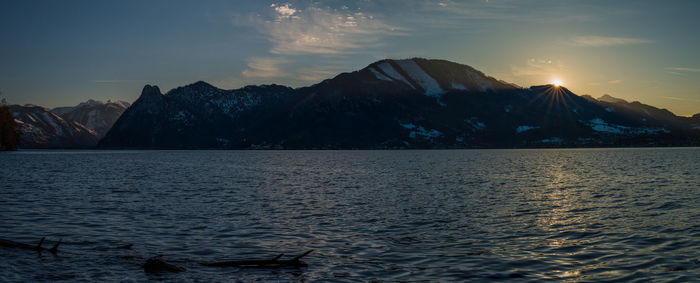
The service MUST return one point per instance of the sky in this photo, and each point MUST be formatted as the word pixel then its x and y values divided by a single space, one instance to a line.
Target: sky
pixel 60 53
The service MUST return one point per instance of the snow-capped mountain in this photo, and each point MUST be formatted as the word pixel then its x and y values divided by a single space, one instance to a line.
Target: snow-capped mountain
pixel 411 103
pixel 434 77
pixel 41 128
pixel 96 115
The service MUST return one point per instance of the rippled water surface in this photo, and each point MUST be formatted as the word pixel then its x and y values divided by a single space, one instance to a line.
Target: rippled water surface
pixel 511 215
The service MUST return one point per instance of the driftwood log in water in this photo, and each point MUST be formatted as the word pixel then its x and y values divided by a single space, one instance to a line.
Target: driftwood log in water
pixel 157 265
pixel 38 247
pixel 263 263
pixel 124 247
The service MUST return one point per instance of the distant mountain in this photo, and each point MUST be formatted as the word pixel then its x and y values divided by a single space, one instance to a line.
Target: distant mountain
pixel 40 128
pixel 695 121
pixel 610 99
pixel 96 115
pixel 412 103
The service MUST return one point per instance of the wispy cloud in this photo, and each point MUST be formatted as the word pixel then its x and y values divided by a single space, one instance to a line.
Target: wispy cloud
pixel 310 33
pixel 615 81
pixel 681 99
pixel 321 30
pixel 603 41
pixel 455 12
pixel 682 69
pixel 284 11
pixel 537 68
pixel 118 81
pixel 264 67
pixel 318 73
pixel 261 69
pixel 674 98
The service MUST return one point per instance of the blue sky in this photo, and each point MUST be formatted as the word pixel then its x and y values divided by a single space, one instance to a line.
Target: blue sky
pixel 56 53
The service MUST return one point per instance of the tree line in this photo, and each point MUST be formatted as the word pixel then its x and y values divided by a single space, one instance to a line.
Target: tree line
pixel 9 136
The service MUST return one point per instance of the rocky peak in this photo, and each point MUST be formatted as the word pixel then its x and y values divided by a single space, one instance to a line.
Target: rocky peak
pixel 150 94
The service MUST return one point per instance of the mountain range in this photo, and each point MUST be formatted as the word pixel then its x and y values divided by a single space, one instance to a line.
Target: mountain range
pixel 96 115
pixel 410 103
pixel 80 126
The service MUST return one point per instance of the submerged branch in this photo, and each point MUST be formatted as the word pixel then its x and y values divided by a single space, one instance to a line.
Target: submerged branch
pixel 266 263
pixel 17 245
pixel 157 264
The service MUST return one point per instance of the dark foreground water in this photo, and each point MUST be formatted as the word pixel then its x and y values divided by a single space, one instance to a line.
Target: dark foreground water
pixel 457 215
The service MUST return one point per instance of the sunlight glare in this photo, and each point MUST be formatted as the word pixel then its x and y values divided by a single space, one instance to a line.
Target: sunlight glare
pixel 557 82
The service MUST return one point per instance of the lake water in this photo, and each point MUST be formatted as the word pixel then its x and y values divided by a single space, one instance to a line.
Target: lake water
pixel 453 215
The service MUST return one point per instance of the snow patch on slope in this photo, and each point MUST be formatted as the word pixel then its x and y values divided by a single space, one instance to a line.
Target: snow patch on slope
pixel 92 119
pixel 389 70
pixel 479 80
pixel 428 83
pixel 475 124
pixel 521 129
pixel 408 125
pixel 459 86
pixel 380 75
pixel 420 131
pixel 552 140
pixel 50 120
pixel 599 125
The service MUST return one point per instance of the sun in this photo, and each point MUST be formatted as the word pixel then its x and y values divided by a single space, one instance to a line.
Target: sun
pixel 557 82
